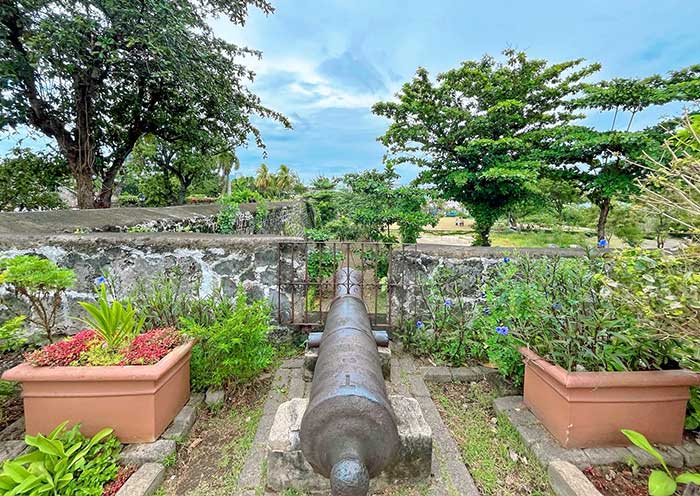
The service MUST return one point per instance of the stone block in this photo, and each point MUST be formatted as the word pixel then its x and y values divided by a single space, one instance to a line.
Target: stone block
pixel 215 397
pixel 11 449
pixel 182 424
pixel 568 480
pixel 144 482
pixel 691 453
pixel 467 374
pixel 196 400
pixel 672 455
pixel 14 431
pixel 417 385
pixel 142 453
pixel 607 456
pixel 532 433
pixel 287 467
pixel 505 403
pixel 548 450
pixel 438 375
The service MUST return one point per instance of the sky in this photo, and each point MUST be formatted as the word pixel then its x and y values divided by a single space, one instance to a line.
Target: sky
pixel 325 62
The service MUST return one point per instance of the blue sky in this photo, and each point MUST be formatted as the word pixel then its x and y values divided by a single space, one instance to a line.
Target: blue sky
pixel 325 62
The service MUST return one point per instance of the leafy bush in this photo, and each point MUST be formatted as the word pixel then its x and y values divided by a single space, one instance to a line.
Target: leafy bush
pixel 11 338
pixel 231 346
pixel 42 283
pixel 592 314
pixel 692 419
pixel 115 323
pixel 447 334
pixel 128 200
pixel 323 262
pixel 64 463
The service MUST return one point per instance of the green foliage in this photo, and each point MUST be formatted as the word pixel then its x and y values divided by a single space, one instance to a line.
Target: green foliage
pixel 129 200
pixel 113 321
pixel 318 235
pixel 374 203
pixel 481 131
pixel 627 223
pixel 11 338
pixel 64 463
pixel 323 262
pixel 692 419
pixel 573 313
pixel 30 181
pixel 447 334
pixel 502 351
pixel 42 283
pixel 661 482
pixel 226 219
pixel 154 67
pixel 233 345
pixel 100 356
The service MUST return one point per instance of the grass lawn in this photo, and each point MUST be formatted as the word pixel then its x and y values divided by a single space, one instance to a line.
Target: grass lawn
pixel 491 448
pixel 541 239
pixel 210 460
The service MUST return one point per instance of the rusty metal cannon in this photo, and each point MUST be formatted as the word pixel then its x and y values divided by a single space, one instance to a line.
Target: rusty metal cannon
pixel 349 430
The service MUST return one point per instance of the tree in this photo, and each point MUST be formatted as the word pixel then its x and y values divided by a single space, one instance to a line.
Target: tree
pixel 96 76
pixel 374 204
pixel 178 161
pixel 264 181
pixel 479 130
pixel 559 191
pixel 610 154
pixel 30 181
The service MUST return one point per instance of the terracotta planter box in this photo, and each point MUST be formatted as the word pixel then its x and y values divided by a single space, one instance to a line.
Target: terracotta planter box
pixel 137 401
pixel 588 409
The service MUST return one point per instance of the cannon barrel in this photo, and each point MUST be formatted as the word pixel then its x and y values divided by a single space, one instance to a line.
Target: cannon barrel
pixel 348 432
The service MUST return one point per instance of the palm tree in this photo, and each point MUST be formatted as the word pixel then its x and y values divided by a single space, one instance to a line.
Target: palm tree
pixel 264 181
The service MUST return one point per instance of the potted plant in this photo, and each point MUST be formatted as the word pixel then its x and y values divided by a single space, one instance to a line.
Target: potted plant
pixel 597 357
pixel 112 374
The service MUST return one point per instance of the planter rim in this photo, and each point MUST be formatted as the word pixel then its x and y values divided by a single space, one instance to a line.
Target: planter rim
pixel 574 380
pixel 25 372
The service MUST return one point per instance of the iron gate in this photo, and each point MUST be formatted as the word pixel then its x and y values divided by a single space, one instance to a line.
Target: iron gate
pixel 306 270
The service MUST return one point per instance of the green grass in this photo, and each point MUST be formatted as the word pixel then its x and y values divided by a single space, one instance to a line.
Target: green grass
pixel 541 239
pixel 491 448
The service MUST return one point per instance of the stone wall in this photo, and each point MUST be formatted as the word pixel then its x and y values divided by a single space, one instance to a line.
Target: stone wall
pixel 284 218
pixel 411 265
pixel 208 261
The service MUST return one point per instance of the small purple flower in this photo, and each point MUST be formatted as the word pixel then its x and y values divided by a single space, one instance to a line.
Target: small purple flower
pixel 502 330
pixel 487 311
pixel 603 243
pixel 100 281
pixel 448 303
pixel 420 324
pixel 483 294
pixel 556 306
pixel 506 259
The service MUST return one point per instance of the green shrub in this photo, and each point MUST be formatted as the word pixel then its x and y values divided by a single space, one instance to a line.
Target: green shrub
pixel 322 263
pixel 692 419
pixel 446 334
pixel 64 463
pixel 233 345
pixel 42 283
pixel 11 338
pixel 592 314
pixel 128 200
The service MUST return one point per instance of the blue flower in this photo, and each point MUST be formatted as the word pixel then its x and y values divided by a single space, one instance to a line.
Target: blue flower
pixel 448 302
pixel 487 311
pixel 556 306
pixel 603 243
pixel 502 330
pixel 100 280
pixel 506 259
pixel 420 324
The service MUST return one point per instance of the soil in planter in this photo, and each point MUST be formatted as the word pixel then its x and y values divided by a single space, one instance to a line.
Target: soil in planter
pixel 621 480
pixel 491 448
pixel 210 460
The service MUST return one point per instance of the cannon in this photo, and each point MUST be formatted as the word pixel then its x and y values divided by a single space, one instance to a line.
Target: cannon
pixel 349 430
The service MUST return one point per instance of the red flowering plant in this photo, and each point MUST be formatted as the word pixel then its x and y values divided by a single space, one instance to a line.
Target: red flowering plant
pixel 149 348
pixel 64 352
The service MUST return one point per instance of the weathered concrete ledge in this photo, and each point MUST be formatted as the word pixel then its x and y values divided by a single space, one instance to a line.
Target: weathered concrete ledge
pixel 462 252
pixel 547 450
pixel 121 218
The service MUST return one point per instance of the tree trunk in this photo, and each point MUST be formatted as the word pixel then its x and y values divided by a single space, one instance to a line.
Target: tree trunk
pixel 182 193
pixel 603 217
pixel 80 164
